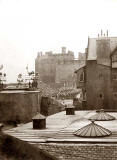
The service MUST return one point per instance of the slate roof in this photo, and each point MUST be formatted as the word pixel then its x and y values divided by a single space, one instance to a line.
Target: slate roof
pixel 92 130
pixel 102 116
pixel 82 66
pixel 92 55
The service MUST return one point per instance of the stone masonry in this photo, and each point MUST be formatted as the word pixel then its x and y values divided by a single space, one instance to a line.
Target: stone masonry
pixel 81 151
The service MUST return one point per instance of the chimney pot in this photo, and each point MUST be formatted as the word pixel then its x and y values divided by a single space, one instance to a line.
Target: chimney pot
pixel 39 121
pixel 70 110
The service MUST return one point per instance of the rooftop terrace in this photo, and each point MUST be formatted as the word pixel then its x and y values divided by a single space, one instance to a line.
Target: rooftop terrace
pixel 61 127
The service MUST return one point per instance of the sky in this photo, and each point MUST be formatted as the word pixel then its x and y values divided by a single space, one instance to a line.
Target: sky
pixel 29 26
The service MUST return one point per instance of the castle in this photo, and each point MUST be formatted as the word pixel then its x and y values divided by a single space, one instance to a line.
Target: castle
pixel 57 69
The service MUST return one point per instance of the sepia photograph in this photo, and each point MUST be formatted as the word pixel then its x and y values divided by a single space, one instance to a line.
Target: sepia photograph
pixel 58 80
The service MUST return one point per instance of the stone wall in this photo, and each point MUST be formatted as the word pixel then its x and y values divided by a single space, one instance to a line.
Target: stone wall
pixel 81 151
pixel 65 73
pixel 98 86
pixel 19 106
pixel 103 51
pixel 15 149
pixel 50 106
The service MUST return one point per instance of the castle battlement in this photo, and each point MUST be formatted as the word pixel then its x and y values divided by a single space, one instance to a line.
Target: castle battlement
pixel 53 67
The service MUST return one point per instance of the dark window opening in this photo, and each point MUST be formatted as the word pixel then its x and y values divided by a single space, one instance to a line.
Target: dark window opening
pixel 100 76
pixel 81 77
pixel 101 95
pixel 114 77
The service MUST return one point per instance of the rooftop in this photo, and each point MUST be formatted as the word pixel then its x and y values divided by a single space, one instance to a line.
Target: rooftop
pixel 61 128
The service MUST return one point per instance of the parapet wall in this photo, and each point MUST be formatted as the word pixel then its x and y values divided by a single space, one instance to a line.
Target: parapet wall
pixel 15 149
pixel 81 151
pixel 19 106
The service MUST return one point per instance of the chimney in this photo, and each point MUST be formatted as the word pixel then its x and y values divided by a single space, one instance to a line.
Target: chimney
pixel 69 110
pixel 63 50
pixel 39 121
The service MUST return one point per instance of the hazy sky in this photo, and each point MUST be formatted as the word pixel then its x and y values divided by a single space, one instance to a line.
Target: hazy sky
pixel 29 26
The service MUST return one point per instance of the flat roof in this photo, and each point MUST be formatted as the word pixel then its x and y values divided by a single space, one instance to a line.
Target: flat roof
pixel 61 127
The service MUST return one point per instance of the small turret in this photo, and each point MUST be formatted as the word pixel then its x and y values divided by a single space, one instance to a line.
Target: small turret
pixel 107 33
pixel 63 50
pixel 39 54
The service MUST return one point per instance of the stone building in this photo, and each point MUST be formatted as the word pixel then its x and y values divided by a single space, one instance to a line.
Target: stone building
pixel 98 78
pixel 57 68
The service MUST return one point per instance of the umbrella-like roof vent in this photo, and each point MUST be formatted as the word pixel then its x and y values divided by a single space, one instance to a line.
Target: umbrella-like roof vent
pixel 39 116
pixel 102 116
pixel 92 130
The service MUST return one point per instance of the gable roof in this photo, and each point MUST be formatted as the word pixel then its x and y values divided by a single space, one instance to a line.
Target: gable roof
pixel 83 66
pixel 112 53
pixel 92 47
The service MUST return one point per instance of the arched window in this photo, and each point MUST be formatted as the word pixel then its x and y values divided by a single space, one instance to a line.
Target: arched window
pixel 100 76
pixel 101 96
pixel 82 77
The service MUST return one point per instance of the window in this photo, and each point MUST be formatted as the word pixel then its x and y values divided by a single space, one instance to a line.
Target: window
pixel 100 76
pixel 114 76
pixel 82 77
pixel 115 95
pixel 101 96
pixel 114 58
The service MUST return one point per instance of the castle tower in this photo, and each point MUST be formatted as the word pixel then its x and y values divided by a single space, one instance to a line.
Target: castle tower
pixel 63 50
